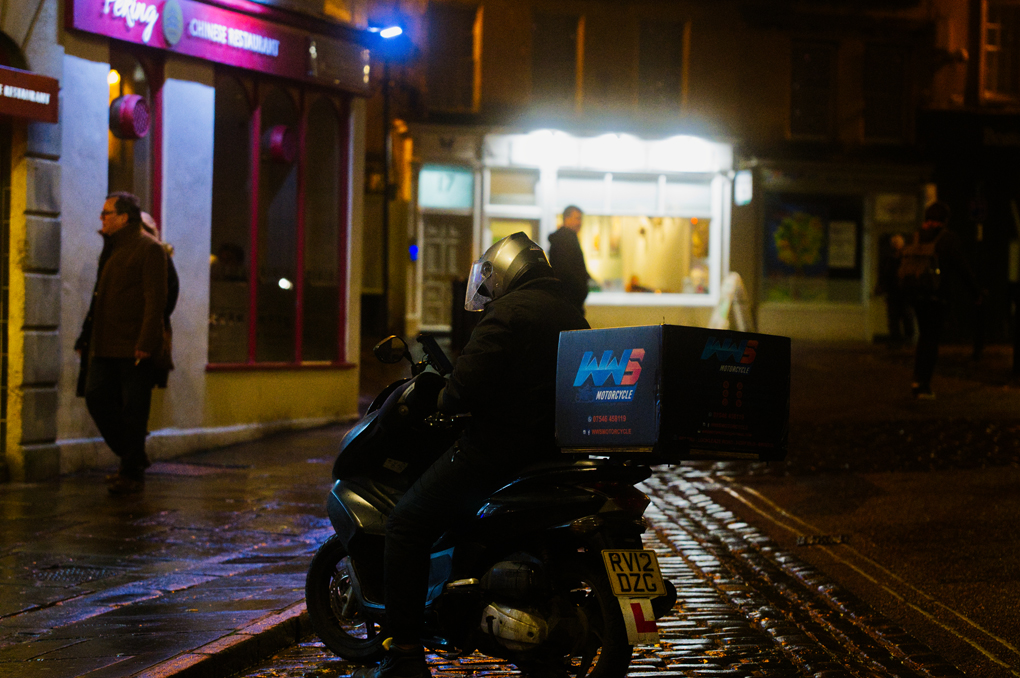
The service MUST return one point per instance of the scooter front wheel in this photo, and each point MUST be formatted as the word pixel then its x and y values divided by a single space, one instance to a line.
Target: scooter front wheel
pixel 334 613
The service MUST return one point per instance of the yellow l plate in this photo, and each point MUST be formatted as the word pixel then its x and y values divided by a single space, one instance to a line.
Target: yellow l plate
pixel 634 573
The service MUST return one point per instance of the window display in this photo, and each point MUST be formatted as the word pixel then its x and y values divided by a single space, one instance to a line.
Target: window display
pixel 642 233
pixel 661 255
pixel 812 248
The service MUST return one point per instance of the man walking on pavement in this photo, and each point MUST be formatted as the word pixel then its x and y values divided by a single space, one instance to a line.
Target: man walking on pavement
pixel 121 334
pixel 567 259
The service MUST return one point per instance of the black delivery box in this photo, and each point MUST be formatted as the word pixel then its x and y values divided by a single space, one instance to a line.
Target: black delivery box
pixel 673 393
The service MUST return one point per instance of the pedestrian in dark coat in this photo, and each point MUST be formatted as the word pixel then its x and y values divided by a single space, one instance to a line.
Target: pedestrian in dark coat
pixel 930 309
pixel 567 258
pixel 506 378
pixel 121 334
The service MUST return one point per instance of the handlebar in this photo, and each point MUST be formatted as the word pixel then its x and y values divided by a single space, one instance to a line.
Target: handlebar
pixel 434 355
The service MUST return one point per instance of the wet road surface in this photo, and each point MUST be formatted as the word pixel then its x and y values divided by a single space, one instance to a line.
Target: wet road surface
pixel 744 608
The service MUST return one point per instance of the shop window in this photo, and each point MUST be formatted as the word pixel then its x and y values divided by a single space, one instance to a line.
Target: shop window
pixel 130 138
pixel 812 249
pixel 634 195
pixel 557 41
pixel 448 188
pixel 454 56
pixel 501 228
pixel 1001 46
pixel 812 89
pixel 322 235
pixel 660 255
pixel 229 292
pixel 279 210
pixel 642 234
pixel 660 63
pixel 276 296
pixel 513 187
pixel 885 89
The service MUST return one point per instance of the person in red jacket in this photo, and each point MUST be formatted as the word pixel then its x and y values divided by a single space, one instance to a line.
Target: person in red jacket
pixel 122 332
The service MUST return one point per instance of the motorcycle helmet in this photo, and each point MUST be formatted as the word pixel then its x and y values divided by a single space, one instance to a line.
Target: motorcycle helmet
pixel 500 267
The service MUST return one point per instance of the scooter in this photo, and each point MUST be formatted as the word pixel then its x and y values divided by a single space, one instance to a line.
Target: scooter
pixel 550 574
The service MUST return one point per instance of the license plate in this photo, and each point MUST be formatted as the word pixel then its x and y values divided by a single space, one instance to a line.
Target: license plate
pixel 633 573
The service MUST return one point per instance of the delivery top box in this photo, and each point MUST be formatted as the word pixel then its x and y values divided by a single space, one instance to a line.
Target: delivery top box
pixel 674 392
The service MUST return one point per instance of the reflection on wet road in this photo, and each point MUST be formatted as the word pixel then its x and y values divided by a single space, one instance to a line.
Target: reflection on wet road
pixel 744 609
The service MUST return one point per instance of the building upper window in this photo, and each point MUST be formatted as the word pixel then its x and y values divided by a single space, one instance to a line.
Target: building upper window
pixel 661 82
pixel 557 60
pixel 454 57
pixel 1001 47
pixel 812 89
pixel 885 91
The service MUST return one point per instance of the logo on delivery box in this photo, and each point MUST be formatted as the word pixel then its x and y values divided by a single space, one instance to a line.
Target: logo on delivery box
pixel 623 371
pixel 740 352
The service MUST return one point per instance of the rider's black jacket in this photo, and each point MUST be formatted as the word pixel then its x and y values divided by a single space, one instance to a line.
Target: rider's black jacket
pixel 506 374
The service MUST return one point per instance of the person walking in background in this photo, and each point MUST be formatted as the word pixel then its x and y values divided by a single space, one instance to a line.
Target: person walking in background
pixel 929 267
pixel 898 313
pixel 121 335
pixel 567 259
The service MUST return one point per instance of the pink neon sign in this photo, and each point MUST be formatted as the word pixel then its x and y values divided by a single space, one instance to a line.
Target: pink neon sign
pixel 220 35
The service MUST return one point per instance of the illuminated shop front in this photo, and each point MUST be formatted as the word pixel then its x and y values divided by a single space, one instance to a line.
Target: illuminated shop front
pixel 655 231
pixel 236 125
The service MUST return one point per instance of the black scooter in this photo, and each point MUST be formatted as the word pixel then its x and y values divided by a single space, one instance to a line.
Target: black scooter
pixel 535 577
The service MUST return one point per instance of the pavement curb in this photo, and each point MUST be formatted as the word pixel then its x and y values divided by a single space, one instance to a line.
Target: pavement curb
pixel 239 650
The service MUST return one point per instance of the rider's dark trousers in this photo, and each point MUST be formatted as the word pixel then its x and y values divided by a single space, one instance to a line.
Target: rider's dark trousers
pixel 452 489
pixel 118 394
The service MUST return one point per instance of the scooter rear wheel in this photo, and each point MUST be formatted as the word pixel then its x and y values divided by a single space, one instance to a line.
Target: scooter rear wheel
pixel 604 651
pixel 334 613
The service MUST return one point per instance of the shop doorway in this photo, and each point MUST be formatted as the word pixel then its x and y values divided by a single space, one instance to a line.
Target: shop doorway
pixel 446 256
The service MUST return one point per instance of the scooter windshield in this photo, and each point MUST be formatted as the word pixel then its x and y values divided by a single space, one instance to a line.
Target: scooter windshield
pixel 476 297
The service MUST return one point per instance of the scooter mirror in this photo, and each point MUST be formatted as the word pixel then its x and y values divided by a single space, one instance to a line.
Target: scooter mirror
pixel 391 350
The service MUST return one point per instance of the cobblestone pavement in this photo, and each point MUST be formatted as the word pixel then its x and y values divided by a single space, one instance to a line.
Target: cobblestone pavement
pixel 744 609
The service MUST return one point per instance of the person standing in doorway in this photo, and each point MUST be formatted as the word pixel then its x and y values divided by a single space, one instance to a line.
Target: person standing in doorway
pixel 567 259
pixel 121 334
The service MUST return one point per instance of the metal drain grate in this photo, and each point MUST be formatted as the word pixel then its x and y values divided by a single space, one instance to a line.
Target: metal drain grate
pixel 72 575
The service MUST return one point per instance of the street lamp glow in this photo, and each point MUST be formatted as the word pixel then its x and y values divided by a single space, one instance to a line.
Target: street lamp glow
pixel 285 284
pixel 391 32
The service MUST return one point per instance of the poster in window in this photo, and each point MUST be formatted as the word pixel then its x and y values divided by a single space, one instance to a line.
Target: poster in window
pixel 842 244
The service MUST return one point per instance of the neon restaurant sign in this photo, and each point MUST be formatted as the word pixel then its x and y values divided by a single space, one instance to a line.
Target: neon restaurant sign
pixel 226 37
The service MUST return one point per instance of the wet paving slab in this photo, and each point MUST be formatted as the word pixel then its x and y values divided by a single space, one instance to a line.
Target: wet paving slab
pixel 215 549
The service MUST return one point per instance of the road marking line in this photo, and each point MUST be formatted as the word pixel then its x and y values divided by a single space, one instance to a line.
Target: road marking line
pixel 879 567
